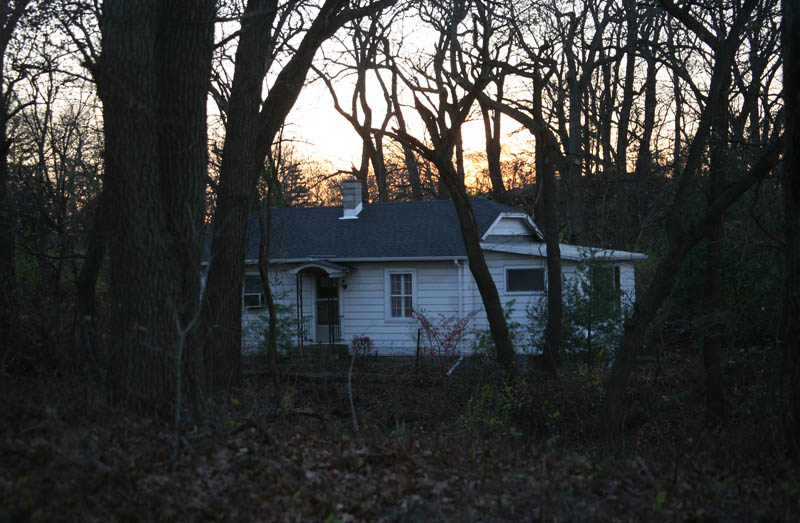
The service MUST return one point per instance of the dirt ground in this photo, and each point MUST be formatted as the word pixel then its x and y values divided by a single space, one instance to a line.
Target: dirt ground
pixel 462 448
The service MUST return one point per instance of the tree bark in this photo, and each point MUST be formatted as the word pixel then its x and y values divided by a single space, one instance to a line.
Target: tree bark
pixel 645 157
pixel 713 327
pixel 441 155
pixel 491 133
pixel 153 80
pixel 646 307
pixel 222 310
pixel 86 286
pixel 790 327
pixel 9 18
pixel 478 268
pixel 250 134
pixel 545 169
pixel 682 235
pixel 546 160
pixel 621 211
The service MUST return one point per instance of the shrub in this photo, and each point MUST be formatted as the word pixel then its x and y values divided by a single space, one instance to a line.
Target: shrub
pixel 594 312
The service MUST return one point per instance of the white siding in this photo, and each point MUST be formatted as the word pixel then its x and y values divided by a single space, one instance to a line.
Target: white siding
pixel 363 302
pixel 282 286
pixel 510 226
pixel 519 303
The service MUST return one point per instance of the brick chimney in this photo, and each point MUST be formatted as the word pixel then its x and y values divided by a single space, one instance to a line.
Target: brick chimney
pixel 351 198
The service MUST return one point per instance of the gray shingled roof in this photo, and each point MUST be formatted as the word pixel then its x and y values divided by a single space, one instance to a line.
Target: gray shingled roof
pixel 382 230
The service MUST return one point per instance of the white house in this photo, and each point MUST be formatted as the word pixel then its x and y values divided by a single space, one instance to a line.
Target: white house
pixel 354 271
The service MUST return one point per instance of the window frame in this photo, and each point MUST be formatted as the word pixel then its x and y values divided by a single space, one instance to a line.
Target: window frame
pixel 388 273
pixel 509 268
pixel 262 299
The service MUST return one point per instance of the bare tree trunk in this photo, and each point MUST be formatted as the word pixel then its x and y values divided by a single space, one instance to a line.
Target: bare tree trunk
pixel 478 268
pixel 681 235
pixel 442 157
pixel 184 49
pixel 645 158
pixel 250 133
pixel 622 223
pixel 222 311
pixel 790 327
pixel 8 274
pixel 491 133
pixel 9 18
pixel 264 224
pixel 573 178
pixel 546 147
pixel 153 80
pixel 412 168
pixel 713 328
pixel 546 160
pixel 142 365
pixel 86 285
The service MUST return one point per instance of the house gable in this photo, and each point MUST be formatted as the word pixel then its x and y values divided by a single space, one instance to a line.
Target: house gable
pixel 512 224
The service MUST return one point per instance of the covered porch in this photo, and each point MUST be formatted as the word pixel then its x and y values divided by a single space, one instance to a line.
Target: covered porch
pixel 319 287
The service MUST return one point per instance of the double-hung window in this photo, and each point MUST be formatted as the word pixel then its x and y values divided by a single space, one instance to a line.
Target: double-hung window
pixel 253 295
pixel 400 291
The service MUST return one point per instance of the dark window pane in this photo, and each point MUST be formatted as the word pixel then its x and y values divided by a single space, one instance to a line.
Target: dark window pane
pixel 525 280
pixel 252 301
pixel 397 307
pixel 252 284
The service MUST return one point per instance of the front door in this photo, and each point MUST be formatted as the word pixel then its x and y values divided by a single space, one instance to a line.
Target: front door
pixel 328 324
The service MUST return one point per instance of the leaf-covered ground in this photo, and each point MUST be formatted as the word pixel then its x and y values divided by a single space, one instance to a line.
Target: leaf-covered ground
pixel 463 448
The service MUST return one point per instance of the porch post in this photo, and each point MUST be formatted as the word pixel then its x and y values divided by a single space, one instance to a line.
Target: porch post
pixel 299 299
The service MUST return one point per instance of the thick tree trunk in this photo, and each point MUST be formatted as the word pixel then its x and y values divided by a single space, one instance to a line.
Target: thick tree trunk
pixel 183 53
pixel 573 179
pixel 790 327
pixel 142 364
pixel 153 80
pixel 546 160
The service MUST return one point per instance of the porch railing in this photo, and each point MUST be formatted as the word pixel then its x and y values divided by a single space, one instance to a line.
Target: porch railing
pixel 323 330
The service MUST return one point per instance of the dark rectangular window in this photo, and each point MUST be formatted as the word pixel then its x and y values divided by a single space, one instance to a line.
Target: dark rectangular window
pixel 253 295
pixel 525 280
